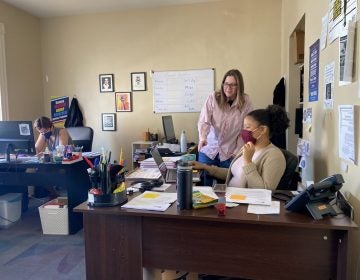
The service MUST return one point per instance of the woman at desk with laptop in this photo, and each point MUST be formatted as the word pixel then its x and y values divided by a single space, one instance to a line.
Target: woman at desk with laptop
pixel 259 164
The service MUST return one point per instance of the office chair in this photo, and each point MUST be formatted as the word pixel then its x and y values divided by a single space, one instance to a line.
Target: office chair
pixel 290 177
pixel 82 136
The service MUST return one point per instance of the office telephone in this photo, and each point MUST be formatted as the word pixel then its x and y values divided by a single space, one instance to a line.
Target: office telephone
pixel 316 198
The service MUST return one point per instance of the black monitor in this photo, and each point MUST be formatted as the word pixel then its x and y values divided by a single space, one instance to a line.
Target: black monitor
pixel 16 137
pixel 168 127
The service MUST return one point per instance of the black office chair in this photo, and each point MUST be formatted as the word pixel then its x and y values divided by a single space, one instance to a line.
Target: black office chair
pixel 82 136
pixel 290 177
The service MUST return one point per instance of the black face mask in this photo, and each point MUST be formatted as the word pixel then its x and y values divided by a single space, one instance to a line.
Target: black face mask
pixel 47 134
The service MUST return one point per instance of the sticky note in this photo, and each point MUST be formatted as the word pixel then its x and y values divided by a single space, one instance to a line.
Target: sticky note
pixel 238 196
pixel 151 195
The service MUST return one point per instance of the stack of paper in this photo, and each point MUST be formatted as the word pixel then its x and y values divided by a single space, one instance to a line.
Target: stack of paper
pixel 170 162
pixel 148 173
pixel 151 201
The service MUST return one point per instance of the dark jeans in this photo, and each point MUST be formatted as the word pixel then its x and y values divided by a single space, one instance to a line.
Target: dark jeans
pixel 207 180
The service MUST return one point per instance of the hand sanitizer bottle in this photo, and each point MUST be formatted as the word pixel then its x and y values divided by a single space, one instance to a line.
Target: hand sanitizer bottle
pixel 183 144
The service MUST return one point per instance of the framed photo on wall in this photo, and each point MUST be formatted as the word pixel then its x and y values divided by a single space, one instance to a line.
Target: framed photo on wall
pixel 138 81
pixel 106 82
pixel 108 121
pixel 123 102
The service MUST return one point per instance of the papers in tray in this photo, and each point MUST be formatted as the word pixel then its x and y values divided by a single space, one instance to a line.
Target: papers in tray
pixel 250 196
pixel 144 173
pixel 149 200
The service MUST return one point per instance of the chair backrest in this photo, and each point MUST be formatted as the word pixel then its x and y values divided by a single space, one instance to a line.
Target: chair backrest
pixel 82 136
pixel 292 162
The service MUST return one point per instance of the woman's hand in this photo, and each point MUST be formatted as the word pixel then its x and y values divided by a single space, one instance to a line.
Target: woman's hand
pixel 199 166
pixel 248 152
pixel 201 144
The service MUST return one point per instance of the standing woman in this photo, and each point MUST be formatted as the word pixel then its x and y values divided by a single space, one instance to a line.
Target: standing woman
pixel 221 120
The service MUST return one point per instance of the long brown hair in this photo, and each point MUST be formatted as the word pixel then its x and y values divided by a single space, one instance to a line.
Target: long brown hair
pixel 240 95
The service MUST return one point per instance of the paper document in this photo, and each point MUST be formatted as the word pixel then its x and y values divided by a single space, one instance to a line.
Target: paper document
pixel 250 196
pixel 154 201
pixel 274 208
pixel 142 173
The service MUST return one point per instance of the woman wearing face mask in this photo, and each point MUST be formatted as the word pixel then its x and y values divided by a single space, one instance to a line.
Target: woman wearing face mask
pixel 259 164
pixel 220 119
pixel 49 135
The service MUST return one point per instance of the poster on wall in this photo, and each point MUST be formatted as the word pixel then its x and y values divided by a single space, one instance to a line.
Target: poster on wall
pixel 329 74
pixel 346 133
pixel 59 110
pixel 314 71
pixel 340 13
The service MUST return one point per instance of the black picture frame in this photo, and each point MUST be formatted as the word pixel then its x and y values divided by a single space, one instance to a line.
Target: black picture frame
pixel 106 83
pixel 138 81
pixel 108 121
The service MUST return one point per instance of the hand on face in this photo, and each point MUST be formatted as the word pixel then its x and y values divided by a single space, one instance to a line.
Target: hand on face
pixel 248 152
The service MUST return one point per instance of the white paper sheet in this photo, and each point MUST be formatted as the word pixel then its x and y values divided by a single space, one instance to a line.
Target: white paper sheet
pixel 274 208
pixel 346 133
pixel 144 173
pixel 150 200
pixel 250 196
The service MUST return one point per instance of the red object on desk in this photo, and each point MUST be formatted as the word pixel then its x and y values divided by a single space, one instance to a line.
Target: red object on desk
pixel 221 209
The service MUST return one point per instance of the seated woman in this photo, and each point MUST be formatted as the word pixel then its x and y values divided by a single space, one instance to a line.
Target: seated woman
pixel 259 163
pixel 49 135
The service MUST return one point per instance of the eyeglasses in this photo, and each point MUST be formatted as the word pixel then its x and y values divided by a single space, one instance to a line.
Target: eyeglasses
pixel 229 85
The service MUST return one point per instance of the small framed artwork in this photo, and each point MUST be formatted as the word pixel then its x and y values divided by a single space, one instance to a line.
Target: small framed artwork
pixel 123 102
pixel 108 121
pixel 106 82
pixel 138 81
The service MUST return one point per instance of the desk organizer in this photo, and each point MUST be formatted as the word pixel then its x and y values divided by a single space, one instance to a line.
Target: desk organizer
pixel 108 186
pixel 104 200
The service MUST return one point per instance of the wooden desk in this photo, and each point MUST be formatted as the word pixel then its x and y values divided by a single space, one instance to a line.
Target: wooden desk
pixel 73 177
pixel 119 242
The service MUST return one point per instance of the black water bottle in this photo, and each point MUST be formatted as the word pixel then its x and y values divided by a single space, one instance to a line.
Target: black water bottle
pixel 184 185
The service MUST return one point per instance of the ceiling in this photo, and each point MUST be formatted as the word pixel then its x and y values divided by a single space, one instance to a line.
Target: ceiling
pixel 54 8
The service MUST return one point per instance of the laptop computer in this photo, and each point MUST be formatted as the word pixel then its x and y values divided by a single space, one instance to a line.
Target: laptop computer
pixel 169 174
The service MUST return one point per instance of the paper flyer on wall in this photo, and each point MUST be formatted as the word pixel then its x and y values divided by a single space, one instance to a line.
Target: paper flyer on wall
pixel 346 133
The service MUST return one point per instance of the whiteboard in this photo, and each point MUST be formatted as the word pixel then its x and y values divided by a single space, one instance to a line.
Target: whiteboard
pixel 181 91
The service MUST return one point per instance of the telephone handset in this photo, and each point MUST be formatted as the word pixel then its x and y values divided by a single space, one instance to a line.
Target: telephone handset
pixel 316 197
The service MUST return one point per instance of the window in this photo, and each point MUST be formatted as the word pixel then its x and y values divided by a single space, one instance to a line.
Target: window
pixel 4 110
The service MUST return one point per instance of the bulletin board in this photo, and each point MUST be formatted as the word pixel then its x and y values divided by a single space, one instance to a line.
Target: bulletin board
pixel 181 91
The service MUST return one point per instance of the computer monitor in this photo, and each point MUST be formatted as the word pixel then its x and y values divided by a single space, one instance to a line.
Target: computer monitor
pixel 168 127
pixel 16 137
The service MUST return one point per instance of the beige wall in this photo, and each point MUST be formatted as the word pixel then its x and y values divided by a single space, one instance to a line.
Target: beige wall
pixel 222 35
pixel 23 63
pixel 323 136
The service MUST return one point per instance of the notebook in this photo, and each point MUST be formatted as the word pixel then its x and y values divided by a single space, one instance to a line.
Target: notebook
pixel 169 174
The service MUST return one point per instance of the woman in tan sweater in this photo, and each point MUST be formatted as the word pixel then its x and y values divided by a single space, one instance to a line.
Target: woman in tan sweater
pixel 259 163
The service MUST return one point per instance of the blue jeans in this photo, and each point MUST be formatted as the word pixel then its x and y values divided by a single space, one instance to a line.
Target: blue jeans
pixel 207 180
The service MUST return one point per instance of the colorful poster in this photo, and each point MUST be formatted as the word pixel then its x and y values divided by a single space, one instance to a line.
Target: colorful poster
pixel 59 110
pixel 314 71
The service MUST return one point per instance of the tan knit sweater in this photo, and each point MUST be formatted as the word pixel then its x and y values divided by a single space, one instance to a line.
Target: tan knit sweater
pixel 265 172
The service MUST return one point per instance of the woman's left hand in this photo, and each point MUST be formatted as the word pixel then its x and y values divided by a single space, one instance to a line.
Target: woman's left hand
pixel 248 152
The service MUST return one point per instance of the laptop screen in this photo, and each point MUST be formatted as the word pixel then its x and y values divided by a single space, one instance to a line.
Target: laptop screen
pixel 159 162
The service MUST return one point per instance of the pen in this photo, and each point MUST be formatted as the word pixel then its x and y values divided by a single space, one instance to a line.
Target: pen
pixel 88 162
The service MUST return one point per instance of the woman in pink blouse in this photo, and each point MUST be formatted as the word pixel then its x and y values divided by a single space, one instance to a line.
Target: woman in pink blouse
pixel 220 122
